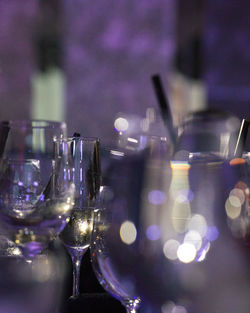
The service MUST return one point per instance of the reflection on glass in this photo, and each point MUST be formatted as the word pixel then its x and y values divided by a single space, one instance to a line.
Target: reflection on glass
pixel 76 236
pixel 181 228
pixel 36 189
pixel 120 288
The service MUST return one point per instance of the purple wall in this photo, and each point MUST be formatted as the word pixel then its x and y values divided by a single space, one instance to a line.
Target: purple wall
pixel 16 57
pixel 227 55
pixel 112 48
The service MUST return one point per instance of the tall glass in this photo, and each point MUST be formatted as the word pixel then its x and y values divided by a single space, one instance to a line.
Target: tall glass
pixel 102 261
pixel 182 231
pixel 77 234
pixel 36 188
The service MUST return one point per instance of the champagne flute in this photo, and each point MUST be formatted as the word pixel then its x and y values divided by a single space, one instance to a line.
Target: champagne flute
pixel 77 234
pixel 36 189
pixel 119 288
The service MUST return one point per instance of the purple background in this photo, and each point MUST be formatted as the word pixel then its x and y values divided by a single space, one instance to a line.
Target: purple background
pixel 110 49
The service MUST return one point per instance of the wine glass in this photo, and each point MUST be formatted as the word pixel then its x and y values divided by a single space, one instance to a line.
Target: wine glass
pixel 76 236
pixel 102 262
pixel 36 189
pixel 181 232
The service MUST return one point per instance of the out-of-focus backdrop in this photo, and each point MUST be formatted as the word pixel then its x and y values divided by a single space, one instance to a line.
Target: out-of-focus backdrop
pixel 89 62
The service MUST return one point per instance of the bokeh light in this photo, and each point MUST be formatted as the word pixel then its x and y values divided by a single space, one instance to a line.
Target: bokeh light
pixel 185 195
pixel 238 194
pixel 212 233
pixel 171 307
pixel 156 197
pixel 153 232
pixel 128 232
pixel 186 252
pixel 170 249
pixel 121 124
pixel 194 238
pixel 233 210
pixel 199 224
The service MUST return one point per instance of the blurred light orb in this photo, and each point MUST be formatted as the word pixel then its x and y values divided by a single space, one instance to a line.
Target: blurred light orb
pixel 179 309
pixel 170 249
pixel 186 252
pixel 194 238
pixel 234 201
pixel 198 223
pixel 238 194
pixel 156 197
pixel 168 307
pixel 128 232
pixel 185 195
pixel 153 232
pixel 212 233
pixel 232 211
pixel 121 124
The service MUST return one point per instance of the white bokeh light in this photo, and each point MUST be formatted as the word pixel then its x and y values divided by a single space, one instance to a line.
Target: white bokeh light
pixel 170 249
pixel 199 224
pixel 239 194
pixel 194 238
pixel 233 211
pixel 121 124
pixel 128 232
pixel 186 252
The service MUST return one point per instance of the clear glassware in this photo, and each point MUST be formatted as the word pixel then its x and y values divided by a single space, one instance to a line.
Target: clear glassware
pixel 76 236
pixel 36 188
pixel 180 229
pixel 102 262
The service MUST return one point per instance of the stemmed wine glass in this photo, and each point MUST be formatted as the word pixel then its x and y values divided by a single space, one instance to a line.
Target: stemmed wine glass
pixel 102 262
pixel 36 188
pixel 181 229
pixel 76 236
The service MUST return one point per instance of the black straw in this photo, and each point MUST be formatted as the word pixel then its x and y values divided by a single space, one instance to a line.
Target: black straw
pixel 242 138
pixel 164 106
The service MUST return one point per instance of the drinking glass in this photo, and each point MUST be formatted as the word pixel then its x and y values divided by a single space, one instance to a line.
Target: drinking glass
pixel 117 286
pixel 180 228
pixel 36 188
pixel 77 234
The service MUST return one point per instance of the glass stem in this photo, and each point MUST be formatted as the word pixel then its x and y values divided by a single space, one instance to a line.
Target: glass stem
pixel 130 306
pixel 76 261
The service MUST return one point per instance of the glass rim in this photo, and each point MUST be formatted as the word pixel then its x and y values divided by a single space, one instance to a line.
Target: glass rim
pixel 33 123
